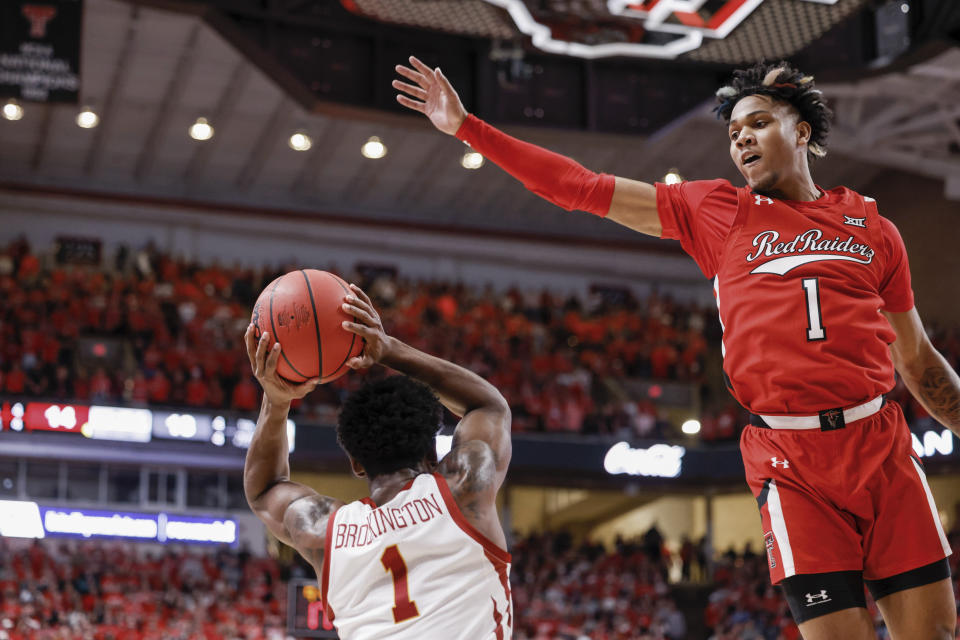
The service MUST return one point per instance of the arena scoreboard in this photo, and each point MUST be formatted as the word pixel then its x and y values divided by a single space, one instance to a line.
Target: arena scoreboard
pixel 305 611
pixel 129 424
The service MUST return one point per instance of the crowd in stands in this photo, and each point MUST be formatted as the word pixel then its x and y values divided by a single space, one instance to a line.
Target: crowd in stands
pixel 145 328
pixel 563 591
pixel 167 332
pixel 119 591
pixel 744 605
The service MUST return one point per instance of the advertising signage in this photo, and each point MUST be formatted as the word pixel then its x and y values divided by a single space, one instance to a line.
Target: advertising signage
pixel 22 519
pixel 658 460
pixel 40 49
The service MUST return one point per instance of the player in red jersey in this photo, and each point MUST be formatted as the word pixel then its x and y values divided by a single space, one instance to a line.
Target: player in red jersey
pixel 813 290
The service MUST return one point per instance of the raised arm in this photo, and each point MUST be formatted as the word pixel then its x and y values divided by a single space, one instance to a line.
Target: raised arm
pixel 477 464
pixel 924 370
pixel 483 411
pixel 296 514
pixel 550 175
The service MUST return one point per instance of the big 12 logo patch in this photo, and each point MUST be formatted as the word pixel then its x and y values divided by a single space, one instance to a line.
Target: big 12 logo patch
pixel 690 21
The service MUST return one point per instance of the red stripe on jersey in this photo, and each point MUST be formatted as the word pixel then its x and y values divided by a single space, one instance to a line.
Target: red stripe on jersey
pixel 497 619
pixel 325 572
pixel 501 568
pixel 489 546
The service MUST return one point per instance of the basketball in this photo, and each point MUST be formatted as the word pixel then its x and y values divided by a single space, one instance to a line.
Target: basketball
pixel 302 310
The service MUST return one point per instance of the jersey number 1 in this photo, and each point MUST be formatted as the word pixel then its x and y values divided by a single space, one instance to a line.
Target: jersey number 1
pixel 404 608
pixel 815 330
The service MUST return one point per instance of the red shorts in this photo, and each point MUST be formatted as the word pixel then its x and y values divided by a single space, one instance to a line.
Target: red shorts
pixel 853 499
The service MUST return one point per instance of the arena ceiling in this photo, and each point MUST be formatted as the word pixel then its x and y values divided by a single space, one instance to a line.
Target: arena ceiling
pixel 150 73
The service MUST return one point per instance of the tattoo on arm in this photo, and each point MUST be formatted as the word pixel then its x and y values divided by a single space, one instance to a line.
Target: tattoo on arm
pixel 306 526
pixel 476 465
pixel 468 495
pixel 940 390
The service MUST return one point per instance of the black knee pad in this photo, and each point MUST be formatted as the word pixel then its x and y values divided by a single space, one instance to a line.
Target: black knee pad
pixel 811 595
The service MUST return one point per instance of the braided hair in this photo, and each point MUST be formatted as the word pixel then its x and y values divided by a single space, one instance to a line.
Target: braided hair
pixel 787 84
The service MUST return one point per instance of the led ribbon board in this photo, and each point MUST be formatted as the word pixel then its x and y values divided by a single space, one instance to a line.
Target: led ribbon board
pixel 29 520
pixel 125 424
pixel 686 20
pixel 931 443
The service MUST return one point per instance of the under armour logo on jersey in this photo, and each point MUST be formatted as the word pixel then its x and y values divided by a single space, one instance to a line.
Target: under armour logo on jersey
pixel 783 463
pixel 762 199
pixel 855 222
pixel 817 598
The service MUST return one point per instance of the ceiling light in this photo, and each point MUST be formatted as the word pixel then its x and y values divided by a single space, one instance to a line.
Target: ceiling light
pixel 87 119
pixel 691 427
pixel 12 110
pixel 300 141
pixel 471 160
pixel 373 148
pixel 673 177
pixel 201 130
pixel 905 8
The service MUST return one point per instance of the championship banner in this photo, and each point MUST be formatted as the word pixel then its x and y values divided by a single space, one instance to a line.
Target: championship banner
pixel 40 50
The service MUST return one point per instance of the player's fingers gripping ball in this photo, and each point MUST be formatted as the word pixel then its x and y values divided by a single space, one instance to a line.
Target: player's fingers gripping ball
pixel 302 310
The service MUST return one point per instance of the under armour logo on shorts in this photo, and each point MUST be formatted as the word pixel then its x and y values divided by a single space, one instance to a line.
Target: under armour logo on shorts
pixel 817 598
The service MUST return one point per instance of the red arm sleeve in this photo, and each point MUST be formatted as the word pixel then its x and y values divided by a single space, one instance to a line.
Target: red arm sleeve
pixel 550 175
pixel 895 288
pixel 699 214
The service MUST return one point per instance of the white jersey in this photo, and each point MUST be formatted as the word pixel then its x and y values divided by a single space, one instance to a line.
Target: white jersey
pixel 414 569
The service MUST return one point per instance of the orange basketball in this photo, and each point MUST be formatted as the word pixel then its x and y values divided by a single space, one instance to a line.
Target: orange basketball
pixel 302 310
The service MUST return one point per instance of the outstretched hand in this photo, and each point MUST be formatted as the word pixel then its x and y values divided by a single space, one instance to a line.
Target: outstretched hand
pixel 366 324
pixel 263 361
pixel 431 94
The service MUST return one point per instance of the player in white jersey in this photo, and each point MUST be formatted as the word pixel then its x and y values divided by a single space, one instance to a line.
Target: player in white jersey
pixel 424 557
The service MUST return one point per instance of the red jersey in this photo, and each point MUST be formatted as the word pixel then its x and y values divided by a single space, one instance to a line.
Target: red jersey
pixel 799 286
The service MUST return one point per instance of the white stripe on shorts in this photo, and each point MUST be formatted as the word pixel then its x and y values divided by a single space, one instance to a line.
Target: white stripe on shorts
pixel 779 526
pixel 933 506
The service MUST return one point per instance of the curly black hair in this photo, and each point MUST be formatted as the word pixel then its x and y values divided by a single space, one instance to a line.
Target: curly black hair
pixel 782 82
pixel 390 424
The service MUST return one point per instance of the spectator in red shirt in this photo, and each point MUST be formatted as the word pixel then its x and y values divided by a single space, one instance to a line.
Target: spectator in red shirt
pixel 139 389
pixel 16 379
pixel 662 359
pixel 100 385
pixel 81 385
pixel 244 395
pixel 215 397
pixel 159 388
pixel 196 393
pixel 29 267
